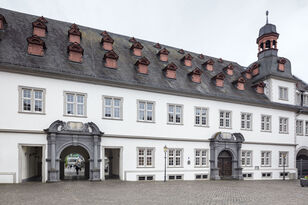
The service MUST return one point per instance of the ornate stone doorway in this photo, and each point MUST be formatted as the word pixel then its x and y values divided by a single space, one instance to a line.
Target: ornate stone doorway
pixel 225 165
pixel 225 156
pixel 64 137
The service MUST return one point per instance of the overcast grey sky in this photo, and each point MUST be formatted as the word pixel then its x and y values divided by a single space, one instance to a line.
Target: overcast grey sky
pixel 219 28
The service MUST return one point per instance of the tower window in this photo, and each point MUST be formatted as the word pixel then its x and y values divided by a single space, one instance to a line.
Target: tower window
pixel 267 44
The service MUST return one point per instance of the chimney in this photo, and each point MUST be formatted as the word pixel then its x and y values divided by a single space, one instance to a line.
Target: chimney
pixel 229 69
pixel 75 52
pixel 209 65
pixel 163 54
pixel 137 49
pixel 281 63
pixel 39 28
pixel 36 46
pixel 196 75
pixel 240 83
pixel 170 70
pixel 110 59
pixel 2 22
pixel 247 73
pixel 259 87
pixel 219 79
pixel 107 42
pixel 187 60
pixel 157 45
pixel 255 69
pixel 74 35
pixel 142 65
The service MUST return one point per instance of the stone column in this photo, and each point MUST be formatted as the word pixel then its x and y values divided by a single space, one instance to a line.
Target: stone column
pixel 53 172
pixel 96 169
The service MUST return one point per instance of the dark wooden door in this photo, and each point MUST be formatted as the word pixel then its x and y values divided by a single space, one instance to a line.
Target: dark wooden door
pixel 225 164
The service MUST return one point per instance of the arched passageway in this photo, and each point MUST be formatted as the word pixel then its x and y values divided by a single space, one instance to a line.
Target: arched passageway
pixel 302 163
pixel 225 164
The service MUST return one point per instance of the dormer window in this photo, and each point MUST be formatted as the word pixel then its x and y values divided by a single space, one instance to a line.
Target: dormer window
pixel 255 69
pixel 163 54
pixel 196 75
pixel 42 19
pixel 132 40
pixel 74 35
pixel 219 79
pixel 36 46
pixel 281 64
pixel 170 71
pixel 142 65
pixel 137 49
pixel 247 73
pixel 201 56
pixel 209 65
pixel 2 22
pixel 110 59
pixel 39 28
pixel 75 52
pixel 220 60
pixel 187 60
pixel 157 45
pixel 259 87
pixel 107 42
pixel 240 83
pixel 181 51
pixel 229 69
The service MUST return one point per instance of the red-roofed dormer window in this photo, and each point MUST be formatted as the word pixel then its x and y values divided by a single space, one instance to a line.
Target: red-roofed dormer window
pixel 74 34
pixel 247 73
pixel 201 56
pixel 137 49
pixel 259 87
pixel 75 52
pixel 281 64
pixel 143 64
pixel 111 59
pixel 187 60
pixel 132 40
pixel 240 83
pixel 170 71
pixel 163 54
pixel 36 45
pixel 229 69
pixel 107 42
pixel 219 79
pixel 255 69
pixel 196 75
pixel 2 22
pixel 157 45
pixel 39 28
pixel 209 65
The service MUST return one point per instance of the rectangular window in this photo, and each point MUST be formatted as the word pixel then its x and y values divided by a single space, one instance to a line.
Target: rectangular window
pixel 175 177
pixel 145 111
pixel 246 119
pixel 266 158
pixel 286 174
pixel 225 119
pixel 283 125
pixel 32 100
pixel 266 175
pixel 305 100
pixel 200 157
pixel 145 157
pixel 266 123
pixel 283 93
pixel 112 107
pixel 247 175
pixel 299 127
pixel 175 157
pixel 146 178
pixel 298 98
pixel 246 158
pixel 283 159
pixel 306 127
pixel 201 176
pixel 75 104
pixel 201 116
pixel 175 114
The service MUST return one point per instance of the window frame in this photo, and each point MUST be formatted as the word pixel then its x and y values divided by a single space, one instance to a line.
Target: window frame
pixel 287 125
pixel 75 107
pixel 145 157
pixel 302 127
pixel 32 100
pixel 284 95
pixel 270 123
pixel 306 127
pixel 112 107
pixel 174 114
pixel 224 119
pixel 245 121
pixel 146 111
pixel 305 99
pixel 200 120
pixel 251 158
pixel 201 157
pixel 174 158
pixel 270 159
pixel 280 157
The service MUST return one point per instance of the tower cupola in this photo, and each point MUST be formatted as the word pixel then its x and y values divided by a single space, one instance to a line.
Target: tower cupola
pixel 267 40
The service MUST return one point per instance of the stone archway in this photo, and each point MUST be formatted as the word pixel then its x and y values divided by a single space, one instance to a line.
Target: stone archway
pixel 61 135
pixel 229 146
pixel 302 162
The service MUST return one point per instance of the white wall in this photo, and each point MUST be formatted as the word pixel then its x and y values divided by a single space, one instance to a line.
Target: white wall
pixel 274 85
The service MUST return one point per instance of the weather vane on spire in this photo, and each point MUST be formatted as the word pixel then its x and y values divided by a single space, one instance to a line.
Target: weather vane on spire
pixel 267 17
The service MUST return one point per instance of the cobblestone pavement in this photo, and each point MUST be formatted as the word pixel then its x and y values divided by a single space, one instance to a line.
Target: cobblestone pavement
pixel 176 192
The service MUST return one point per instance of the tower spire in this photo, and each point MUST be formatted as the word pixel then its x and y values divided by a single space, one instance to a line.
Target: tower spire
pixel 266 17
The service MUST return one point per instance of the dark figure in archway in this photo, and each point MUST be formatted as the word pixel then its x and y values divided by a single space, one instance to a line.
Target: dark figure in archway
pixel 77 169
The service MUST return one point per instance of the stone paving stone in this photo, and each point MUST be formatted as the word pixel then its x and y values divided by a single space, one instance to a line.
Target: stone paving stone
pixel 175 192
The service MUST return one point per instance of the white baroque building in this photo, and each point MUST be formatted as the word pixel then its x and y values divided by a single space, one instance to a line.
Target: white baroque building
pixel 128 102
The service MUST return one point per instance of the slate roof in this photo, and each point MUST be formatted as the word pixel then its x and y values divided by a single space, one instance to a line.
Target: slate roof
pixel 266 29
pixel 14 57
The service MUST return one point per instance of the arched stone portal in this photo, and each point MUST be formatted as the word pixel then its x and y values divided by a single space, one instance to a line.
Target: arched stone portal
pixel 302 162
pixel 62 135
pixel 225 156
